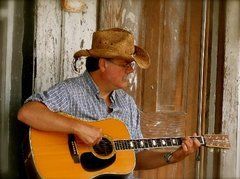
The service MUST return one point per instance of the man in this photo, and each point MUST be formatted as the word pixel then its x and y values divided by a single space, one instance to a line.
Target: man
pixel 97 94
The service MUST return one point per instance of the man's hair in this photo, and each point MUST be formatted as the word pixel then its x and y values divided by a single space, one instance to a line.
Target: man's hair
pixel 92 64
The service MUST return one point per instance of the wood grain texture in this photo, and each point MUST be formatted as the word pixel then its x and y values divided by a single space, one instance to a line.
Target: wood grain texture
pixel 171 34
pixel 169 30
pixel 48 44
pixel 58 34
pixel 77 30
pixel 123 14
pixel 231 94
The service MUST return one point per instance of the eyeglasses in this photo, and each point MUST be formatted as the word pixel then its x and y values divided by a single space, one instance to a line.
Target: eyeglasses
pixel 126 66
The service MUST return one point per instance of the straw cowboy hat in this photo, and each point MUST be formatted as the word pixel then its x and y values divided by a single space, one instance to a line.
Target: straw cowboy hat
pixel 115 42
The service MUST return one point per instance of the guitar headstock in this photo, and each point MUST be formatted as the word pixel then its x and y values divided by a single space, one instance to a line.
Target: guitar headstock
pixel 217 141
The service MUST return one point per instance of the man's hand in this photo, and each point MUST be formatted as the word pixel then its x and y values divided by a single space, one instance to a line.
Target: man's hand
pixel 90 135
pixel 189 146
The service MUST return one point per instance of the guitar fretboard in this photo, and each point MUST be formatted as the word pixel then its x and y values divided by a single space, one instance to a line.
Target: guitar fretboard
pixel 152 143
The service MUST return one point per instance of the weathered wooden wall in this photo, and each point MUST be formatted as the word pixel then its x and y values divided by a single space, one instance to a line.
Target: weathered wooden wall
pixel 124 14
pixel 230 167
pixel 58 34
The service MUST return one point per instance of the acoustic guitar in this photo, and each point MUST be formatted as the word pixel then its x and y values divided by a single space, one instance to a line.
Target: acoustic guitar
pixel 59 155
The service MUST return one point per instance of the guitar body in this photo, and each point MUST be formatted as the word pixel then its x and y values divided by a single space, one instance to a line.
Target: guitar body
pixel 51 155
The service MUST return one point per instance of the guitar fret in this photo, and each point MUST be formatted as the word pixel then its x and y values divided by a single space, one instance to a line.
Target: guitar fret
pixel 201 140
pixel 141 144
pixel 146 143
pixel 120 145
pixel 169 142
pixel 124 144
pixel 116 145
pixel 159 144
pixel 155 143
pixel 131 144
pixel 164 143
pixel 136 144
pixel 173 141
pixel 150 144
pixel 179 141
pixel 127 144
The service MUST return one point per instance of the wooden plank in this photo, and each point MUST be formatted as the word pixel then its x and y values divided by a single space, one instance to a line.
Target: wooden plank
pixel 123 14
pixel 152 30
pixel 230 159
pixel 48 43
pixel 170 86
pixel 77 29
pixel 58 34
pixel 7 27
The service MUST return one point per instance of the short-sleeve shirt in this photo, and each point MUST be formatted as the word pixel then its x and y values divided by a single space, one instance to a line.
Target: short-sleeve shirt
pixel 80 97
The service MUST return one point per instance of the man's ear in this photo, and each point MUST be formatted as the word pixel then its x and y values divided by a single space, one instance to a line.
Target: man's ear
pixel 102 64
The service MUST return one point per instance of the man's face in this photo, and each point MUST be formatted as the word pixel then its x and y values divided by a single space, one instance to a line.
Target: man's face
pixel 117 72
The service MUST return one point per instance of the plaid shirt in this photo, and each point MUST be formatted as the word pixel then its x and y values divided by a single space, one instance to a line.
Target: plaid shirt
pixel 79 97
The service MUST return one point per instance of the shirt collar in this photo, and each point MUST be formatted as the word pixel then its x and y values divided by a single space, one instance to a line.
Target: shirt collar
pixel 92 85
pixel 113 96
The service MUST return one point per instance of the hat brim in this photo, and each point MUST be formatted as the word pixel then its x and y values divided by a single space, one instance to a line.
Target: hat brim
pixel 140 56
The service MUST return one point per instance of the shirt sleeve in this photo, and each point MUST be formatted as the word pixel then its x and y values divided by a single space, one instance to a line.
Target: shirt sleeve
pixel 55 98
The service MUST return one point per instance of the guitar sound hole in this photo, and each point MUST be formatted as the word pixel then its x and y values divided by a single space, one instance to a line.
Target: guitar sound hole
pixel 104 147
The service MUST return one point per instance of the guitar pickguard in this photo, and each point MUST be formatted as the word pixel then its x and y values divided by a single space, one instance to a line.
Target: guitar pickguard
pixel 91 163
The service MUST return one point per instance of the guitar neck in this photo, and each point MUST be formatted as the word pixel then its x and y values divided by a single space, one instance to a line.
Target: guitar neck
pixel 152 143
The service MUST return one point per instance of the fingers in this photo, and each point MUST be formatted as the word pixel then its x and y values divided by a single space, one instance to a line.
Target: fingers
pixel 190 145
pixel 187 145
pixel 98 139
pixel 95 138
pixel 196 142
pixel 91 141
pixel 89 135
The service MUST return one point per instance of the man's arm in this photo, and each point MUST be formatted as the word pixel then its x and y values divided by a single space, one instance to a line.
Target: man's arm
pixel 38 116
pixel 148 159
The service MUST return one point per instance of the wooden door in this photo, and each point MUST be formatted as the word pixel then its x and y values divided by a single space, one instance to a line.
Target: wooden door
pixel 170 32
pixel 167 93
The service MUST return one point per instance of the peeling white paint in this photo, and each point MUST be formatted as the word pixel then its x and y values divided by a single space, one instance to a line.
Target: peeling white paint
pixel 130 16
pixel 238 128
pixel 48 43
pixel 123 15
pixel 230 93
pixel 58 34
pixel 77 33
